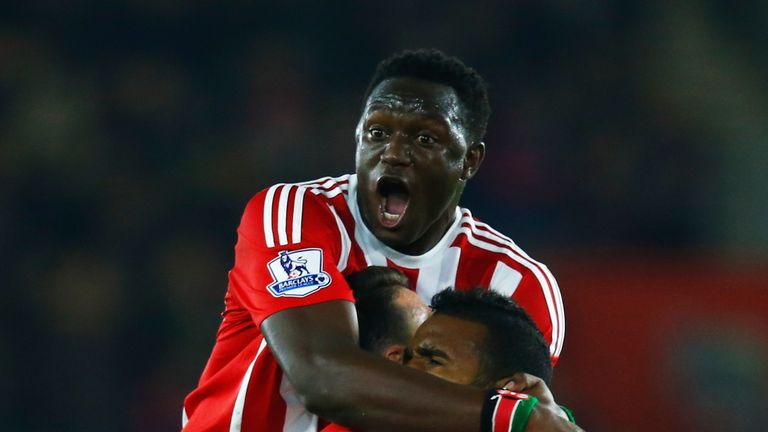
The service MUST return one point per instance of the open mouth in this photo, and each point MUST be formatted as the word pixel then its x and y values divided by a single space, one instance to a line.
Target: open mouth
pixel 394 200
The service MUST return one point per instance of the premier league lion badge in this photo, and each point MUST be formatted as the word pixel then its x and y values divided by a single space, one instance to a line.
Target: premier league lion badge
pixel 297 273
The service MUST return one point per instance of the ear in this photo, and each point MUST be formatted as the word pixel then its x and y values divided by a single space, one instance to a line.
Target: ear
pixel 474 157
pixel 394 353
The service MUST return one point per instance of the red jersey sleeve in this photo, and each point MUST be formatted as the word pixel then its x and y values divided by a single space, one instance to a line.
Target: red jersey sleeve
pixel 288 246
pixel 539 294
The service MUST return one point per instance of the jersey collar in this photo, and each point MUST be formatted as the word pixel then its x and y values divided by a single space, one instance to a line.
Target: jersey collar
pixel 377 252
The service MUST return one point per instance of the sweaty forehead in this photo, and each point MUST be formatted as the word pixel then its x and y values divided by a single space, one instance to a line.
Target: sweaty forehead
pixel 412 95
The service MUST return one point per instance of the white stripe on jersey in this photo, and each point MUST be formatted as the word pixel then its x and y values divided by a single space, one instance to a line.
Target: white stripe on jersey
pixel 269 237
pixel 530 266
pixel 346 243
pixel 335 187
pixel 339 189
pixel 298 212
pixel 555 288
pixel 559 306
pixel 505 279
pixel 561 309
pixel 449 268
pixel 428 279
pixel 373 256
pixel 327 186
pixel 282 215
pixel 438 275
pixel 184 418
pixel 495 411
pixel 297 418
pixel 484 226
pixel 237 412
pixel 511 417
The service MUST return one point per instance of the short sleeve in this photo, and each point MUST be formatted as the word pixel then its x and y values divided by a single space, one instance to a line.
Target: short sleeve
pixel 539 294
pixel 287 252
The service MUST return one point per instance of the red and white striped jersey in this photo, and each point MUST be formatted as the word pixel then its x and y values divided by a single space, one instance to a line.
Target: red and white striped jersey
pixel 295 244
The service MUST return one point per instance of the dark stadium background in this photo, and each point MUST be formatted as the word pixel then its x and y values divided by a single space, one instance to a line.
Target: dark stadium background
pixel 627 149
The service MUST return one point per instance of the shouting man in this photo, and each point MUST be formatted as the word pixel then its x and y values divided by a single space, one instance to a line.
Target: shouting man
pixel 286 349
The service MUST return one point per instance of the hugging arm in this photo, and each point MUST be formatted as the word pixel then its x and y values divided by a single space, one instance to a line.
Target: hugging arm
pixel 317 349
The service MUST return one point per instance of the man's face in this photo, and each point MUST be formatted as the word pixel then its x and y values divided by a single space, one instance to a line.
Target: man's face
pixel 412 161
pixel 448 347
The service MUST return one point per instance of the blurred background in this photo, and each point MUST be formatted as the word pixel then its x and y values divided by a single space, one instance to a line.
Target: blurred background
pixel 628 148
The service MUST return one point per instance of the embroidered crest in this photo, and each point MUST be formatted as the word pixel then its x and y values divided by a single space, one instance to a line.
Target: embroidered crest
pixel 297 273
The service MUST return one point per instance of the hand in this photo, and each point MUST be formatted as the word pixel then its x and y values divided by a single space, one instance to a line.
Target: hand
pixel 535 386
pixel 546 415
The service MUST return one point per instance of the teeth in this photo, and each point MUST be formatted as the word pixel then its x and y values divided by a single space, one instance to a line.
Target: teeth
pixel 391 216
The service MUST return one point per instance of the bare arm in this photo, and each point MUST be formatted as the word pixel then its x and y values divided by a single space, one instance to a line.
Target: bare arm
pixel 317 349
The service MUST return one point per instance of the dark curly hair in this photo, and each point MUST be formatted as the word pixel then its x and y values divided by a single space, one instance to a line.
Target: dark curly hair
pixel 434 65
pixel 513 342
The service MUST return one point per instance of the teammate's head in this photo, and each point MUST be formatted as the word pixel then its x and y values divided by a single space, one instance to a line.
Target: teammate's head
pixel 419 139
pixel 388 312
pixel 478 337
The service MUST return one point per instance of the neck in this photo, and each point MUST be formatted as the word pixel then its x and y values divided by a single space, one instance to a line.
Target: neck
pixel 432 236
pixel 437 230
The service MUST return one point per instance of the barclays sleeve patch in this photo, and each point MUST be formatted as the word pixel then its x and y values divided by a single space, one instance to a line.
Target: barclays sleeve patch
pixel 297 273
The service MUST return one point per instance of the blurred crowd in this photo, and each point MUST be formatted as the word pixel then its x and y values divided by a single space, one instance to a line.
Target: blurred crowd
pixel 133 132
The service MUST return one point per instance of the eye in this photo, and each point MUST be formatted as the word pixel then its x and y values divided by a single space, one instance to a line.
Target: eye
pixel 433 362
pixel 426 139
pixel 377 133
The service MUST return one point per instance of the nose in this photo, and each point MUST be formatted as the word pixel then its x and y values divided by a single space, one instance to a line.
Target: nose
pixel 415 363
pixel 397 151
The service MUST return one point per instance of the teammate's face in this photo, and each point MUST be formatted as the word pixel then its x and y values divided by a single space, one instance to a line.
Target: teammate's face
pixel 448 347
pixel 413 158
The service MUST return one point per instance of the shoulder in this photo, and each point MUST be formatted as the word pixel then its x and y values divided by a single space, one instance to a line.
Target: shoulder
pixel 281 198
pixel 492 243
pixel 280 194
pixel 515 273
pixel 281 210
pixel 485 243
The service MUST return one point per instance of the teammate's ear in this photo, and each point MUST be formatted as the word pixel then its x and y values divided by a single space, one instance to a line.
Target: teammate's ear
pixel 394 353
pixel 474 157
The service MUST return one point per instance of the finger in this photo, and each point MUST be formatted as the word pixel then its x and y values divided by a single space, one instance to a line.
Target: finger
pixel 510 385
pixel 514 386
pixel 533 386
pixel 524 381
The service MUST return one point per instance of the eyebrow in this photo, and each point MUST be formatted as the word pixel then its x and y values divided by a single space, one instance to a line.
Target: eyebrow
pixel 431 351
pixel 387 101
pixel 436 120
